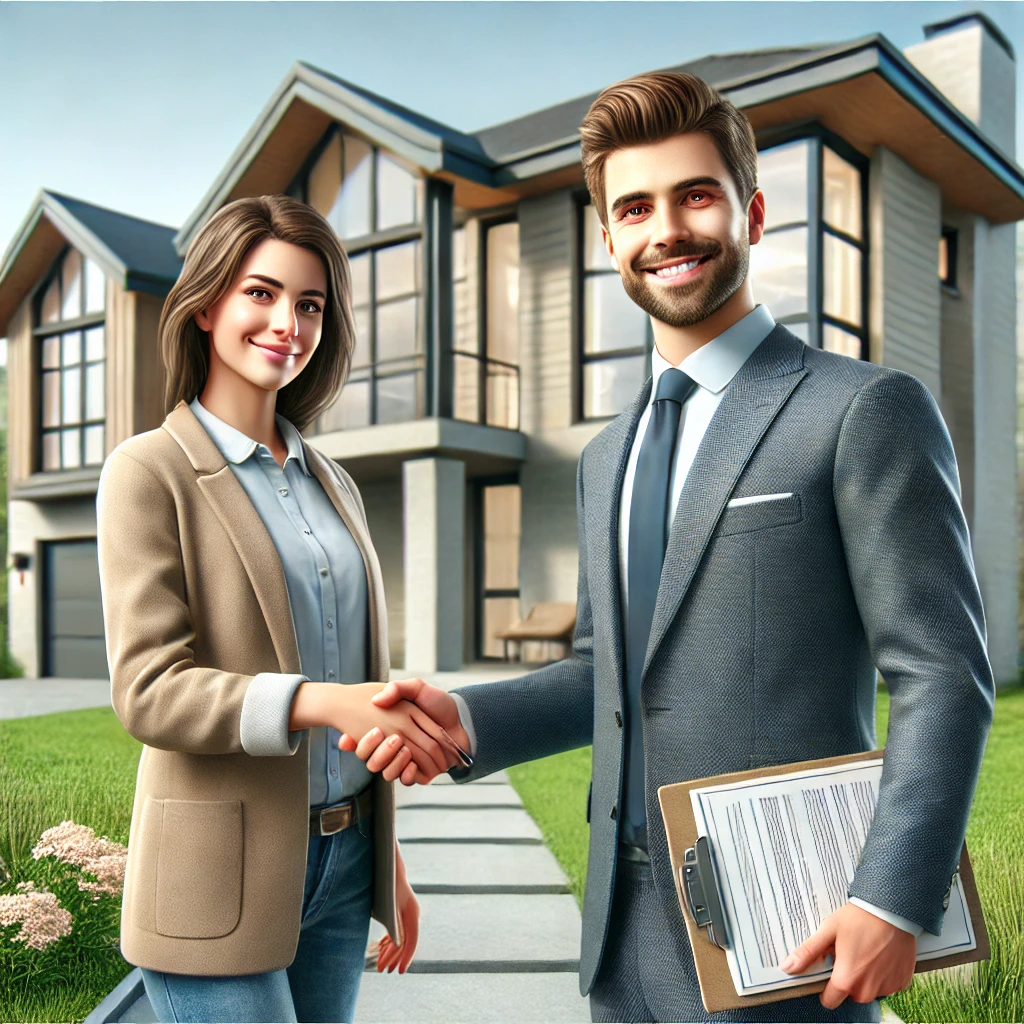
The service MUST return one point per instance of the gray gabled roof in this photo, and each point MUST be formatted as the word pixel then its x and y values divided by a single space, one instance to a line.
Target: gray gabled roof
pixel 143 249
pixel 559 124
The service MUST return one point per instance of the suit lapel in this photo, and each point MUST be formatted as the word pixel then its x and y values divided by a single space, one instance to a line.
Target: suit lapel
pixel 751 402
pixel 613 446
pixel 219 485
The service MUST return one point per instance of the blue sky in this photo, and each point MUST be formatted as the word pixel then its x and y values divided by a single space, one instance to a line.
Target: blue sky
pixel 138 106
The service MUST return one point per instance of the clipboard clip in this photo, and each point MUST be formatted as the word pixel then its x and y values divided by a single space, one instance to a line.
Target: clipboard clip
pixel 700 889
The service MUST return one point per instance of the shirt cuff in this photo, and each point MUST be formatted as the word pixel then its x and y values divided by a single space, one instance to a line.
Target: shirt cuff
pixel 466 721
pixel 887 915
pixel 266 708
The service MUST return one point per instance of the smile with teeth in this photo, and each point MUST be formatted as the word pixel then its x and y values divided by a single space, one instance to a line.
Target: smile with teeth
pixel 678 269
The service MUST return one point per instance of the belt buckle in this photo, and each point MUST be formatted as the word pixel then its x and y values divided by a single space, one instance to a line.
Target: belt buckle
pixel 345 819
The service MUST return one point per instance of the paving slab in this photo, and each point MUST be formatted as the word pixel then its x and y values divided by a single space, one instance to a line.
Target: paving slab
pixel 506 824
pixel 25 698
pixel 467 998
pixel 491 867
pixel 496 779
pixel 469 795
pixel 480 932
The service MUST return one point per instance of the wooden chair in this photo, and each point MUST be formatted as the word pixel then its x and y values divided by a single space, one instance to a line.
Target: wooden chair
pixel 550 621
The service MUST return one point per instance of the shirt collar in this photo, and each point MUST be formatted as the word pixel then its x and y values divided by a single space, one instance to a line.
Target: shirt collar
pixel 236 447
pixel 714 365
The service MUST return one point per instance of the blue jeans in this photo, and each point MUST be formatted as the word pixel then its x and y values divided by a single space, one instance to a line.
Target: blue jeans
pixel 322 982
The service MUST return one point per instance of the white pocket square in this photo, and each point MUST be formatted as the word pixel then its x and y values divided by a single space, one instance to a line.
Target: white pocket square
pixel 754 498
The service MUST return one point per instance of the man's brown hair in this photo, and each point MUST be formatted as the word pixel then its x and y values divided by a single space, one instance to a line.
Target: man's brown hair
pixel 652 107
pixel 213 260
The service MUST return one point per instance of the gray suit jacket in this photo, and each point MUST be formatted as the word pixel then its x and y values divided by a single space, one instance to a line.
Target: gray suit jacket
pixel 771 618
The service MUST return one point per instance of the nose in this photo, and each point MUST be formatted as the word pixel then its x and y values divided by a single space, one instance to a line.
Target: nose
pixel 668 225
pixel 285 321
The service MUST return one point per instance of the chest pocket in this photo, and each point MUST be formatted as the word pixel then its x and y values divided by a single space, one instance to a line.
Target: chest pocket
pixel 760 515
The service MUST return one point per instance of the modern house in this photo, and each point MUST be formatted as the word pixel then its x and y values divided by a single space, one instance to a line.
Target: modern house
pixel 494 339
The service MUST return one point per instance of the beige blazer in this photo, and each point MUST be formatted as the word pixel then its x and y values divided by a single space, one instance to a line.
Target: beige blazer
pixel 195 604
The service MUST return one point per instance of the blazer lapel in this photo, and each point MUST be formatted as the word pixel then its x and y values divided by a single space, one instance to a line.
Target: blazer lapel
pixel 602 512
pixel 219 485
pixel 754 398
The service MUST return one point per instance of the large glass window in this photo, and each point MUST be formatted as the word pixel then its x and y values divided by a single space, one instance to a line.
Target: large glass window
pixel 616 333
pixel 486 348
pixel 376 207
pixel 70 335
pixel 500 526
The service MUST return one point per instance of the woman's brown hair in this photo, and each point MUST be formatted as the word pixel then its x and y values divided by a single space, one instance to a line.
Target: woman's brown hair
pixel 656 106
pixel 211 263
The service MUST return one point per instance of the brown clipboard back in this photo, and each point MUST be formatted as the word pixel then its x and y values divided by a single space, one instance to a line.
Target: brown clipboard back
pixel 716 988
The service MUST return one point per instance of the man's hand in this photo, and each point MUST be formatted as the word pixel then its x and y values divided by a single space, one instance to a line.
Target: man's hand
pixel 389 755
pixel 872 957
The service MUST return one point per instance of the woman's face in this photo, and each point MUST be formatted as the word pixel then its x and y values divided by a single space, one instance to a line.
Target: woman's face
pixel 267 325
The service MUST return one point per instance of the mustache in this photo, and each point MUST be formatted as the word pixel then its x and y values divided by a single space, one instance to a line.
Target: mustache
pixel 679 252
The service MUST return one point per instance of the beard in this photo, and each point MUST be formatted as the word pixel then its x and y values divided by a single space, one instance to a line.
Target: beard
pixel 684 305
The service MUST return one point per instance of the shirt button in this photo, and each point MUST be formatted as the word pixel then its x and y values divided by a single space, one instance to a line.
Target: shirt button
pixel 334 772
pixel 283 491
pixel 306 530
pixel 330 675
pixel 618 719
pixel 330 624
pixel 323 572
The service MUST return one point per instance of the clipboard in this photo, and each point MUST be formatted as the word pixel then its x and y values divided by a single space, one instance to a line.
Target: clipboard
pixel 716 986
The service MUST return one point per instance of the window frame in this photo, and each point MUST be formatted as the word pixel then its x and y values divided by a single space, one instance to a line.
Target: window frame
pixel 481 225
pixel 480 591
pixel 40 333
pixel 424 362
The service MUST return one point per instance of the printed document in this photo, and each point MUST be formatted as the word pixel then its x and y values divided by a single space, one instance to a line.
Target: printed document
pixel 785 849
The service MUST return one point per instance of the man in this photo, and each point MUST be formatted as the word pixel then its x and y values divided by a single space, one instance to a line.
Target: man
pixel 765 525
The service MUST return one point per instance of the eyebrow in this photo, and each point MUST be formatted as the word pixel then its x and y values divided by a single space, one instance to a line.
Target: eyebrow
pixel 632 197
pixel 277 284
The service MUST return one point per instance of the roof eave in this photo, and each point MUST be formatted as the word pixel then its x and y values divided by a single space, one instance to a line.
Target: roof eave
pixel 871 54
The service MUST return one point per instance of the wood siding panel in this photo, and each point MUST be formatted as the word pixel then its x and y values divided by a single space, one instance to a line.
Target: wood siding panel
pixel 148 409
pixel 905 228
pixel 22 395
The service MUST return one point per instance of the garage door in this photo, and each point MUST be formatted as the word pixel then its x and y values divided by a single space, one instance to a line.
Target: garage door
pixel 73 615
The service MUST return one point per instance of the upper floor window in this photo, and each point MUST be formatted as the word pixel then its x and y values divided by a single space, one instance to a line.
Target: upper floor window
pixel 485 335
pixel 809 266
pixel 616 332
pixel 947 258
pixel 70 336
pixel 376 206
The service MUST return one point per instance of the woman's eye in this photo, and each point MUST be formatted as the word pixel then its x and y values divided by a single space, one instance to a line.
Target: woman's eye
pixel 308 306
pixel 257 292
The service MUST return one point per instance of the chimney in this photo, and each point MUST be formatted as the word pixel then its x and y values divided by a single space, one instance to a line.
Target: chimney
pixel 972 63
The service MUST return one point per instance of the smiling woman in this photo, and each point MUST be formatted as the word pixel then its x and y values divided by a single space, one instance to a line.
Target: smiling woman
pixel 240 588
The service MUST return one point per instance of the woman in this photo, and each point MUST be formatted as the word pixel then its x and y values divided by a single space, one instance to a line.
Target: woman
pixel 240 587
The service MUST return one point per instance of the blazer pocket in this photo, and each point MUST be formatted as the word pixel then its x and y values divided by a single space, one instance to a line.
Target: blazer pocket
pixel 760 515
pixel 199 867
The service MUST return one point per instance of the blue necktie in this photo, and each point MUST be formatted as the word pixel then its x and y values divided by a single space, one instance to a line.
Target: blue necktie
pixel 648 535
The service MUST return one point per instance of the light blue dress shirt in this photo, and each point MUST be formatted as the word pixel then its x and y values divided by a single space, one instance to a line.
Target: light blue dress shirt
pixel 327 594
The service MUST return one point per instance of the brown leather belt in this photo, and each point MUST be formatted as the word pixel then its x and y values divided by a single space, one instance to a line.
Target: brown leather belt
pixel 325 821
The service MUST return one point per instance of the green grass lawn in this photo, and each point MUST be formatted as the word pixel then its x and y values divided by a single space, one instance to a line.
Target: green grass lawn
pixel 554 791
pixel 79 765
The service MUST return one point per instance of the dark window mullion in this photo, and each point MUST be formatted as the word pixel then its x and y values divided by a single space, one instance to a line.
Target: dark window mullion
pixel 842 236
pixel 815 242
pixel 372 368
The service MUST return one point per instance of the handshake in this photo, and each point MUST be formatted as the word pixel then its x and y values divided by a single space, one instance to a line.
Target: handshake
pixel 407 730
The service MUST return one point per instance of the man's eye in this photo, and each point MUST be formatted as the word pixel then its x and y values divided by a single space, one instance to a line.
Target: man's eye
pixel 698 195
pixel 635 211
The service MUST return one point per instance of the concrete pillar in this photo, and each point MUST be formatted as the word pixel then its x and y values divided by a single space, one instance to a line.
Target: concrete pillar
pixel 433 509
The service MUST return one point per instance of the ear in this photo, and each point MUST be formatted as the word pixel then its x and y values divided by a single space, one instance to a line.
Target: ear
pixel 607 239
pixel 755 218
pixel 202 321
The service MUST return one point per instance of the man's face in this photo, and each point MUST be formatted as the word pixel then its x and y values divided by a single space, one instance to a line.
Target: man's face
pixel 678 233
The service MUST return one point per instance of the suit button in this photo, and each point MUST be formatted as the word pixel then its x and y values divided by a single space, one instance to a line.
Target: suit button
pixel 618 719
pixel 614 813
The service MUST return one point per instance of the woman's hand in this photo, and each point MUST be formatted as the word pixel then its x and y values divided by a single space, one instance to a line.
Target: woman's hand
pixel 390 955
pixel 349 710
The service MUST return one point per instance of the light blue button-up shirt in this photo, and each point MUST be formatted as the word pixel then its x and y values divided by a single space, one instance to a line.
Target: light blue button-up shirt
pixel 327 594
